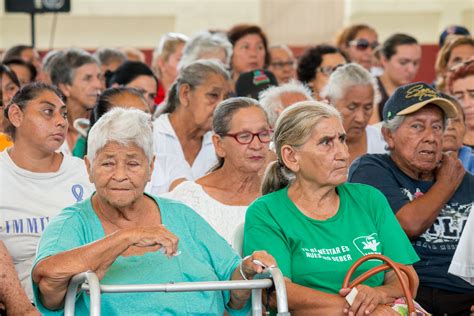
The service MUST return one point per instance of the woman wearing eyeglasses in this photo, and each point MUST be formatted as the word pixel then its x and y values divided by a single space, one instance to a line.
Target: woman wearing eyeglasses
pixel 316 65
pixel 358 43
pixel 241 138
pixel 282 63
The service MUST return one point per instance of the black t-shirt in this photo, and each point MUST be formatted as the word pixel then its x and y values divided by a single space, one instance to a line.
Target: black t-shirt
pixel 436 246
pixel 383 97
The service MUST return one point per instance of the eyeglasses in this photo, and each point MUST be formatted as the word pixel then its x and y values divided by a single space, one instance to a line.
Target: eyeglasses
pixel 363 44
pixel 282 64
pixel 245 138
pixel 328 70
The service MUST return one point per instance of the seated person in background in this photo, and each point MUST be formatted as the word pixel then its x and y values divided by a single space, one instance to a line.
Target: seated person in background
pixel 118 231
pixel 282 63
pixel 316 65
pixel 134 74
pixel 461 86
pixel 182 131
pixel 36 181
pixel 28 54
pixel 400 57
pixel 275 99
pixel 430 192
pixel 13 299
pixel 454 135
pixel 454 51
pixel 48 61
pixel 10 85
pixel 241 137
pixel 110 59
pixel 351 90
pixel 77 74
pixel 250 50
pixel 206 45
pixel 110 98
pixel 25 72
pixel 317 225
pixel 165 60
pixel 133 54
pixel 358 42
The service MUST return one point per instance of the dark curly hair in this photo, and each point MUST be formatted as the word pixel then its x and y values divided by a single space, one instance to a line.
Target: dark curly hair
pixel 312 59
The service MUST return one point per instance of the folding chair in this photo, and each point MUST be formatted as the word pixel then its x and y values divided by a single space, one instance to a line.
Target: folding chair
pixel 88 281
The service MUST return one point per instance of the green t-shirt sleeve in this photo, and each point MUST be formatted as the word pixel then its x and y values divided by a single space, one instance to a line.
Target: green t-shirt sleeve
pixel 396 244
pixel 262 231
pixel 65 232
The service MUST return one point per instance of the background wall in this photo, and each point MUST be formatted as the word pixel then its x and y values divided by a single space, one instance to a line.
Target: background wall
pixel 299 23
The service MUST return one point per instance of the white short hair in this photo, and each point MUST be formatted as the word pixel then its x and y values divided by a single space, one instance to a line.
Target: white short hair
pixel 205 42
pixel 345 77
pixel 124 126
pixel 270 99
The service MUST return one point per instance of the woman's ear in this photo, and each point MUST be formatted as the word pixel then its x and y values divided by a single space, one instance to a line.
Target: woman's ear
pixel 183 94
pixel 383 61
pixel 290 159
pixel 15 115
pixel 217 141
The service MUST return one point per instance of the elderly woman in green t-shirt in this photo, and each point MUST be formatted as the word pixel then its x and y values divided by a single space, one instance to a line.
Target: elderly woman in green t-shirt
pixel 316 225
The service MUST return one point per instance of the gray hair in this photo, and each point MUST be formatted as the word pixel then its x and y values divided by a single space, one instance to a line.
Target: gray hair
pixel 107 55
pixel 345 77
pixel 124 126
pixel 63 66
pixel 205 42
pixel 194 75
pixel 270 99
pixel 224 113
pixel 281 46
pixel 49 59
pixel 293 128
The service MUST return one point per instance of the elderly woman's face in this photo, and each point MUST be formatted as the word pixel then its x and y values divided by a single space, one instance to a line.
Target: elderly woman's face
pixel 120 173
pixel 245 157
pixel 45 118
pixel 328 64
pixel 454 133
pixel 248 54
pixel 203 99
pixel 463 91
pixel 356 107
pixel 416 146
pixel 324 158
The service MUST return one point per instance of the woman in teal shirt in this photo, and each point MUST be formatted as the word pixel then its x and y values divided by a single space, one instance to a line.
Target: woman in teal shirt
pixel 118 232
pixel 316 225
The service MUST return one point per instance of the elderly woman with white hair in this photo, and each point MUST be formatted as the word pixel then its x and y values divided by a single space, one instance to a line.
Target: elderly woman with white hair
pixel 351 90
pixel 277 98
pixel 207 45
pixel 118 232
pixel 316 225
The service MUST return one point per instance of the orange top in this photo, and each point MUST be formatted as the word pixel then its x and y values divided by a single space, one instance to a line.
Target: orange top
pixel 5 141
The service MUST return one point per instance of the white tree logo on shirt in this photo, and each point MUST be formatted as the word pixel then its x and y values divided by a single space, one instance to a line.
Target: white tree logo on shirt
pixel 367 244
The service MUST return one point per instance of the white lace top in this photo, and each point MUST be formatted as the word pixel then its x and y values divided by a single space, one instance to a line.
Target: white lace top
pixel 225 219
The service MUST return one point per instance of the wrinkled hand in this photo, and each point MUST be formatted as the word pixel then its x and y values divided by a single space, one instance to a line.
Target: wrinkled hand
pixel 365 302
pixel 155 236
pixel 250 268
pixel 451 171
pixel 384 310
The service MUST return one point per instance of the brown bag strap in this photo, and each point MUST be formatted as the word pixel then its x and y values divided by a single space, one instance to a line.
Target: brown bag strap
pixel 408 290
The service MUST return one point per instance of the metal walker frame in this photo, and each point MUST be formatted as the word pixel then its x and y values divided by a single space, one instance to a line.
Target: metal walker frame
pixel 88 281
